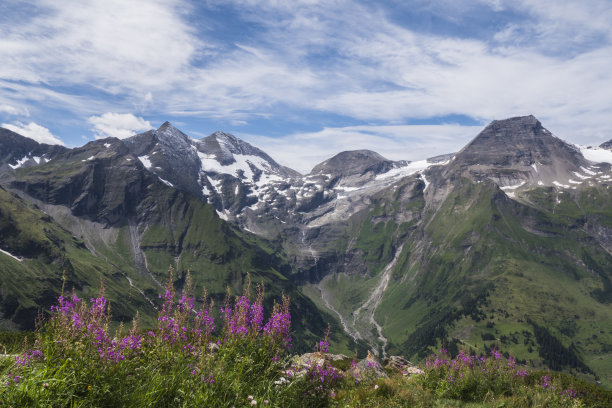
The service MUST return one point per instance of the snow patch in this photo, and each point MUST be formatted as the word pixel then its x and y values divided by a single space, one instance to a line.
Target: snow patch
pixel 587 171
pixel 556 183
pixel 581 176
pixel 11 255
pixel 574 182
pixel 427 183
pixel 535 167
pixel 223 215
pixel 217 184
pixel 166 182
pixel 145 161
pixel 241 168
pixel 346 188
pixel 19 163
pixel 596 154
pixel 513 187
pixel 107 145
pixel 540 183
pixel 409 169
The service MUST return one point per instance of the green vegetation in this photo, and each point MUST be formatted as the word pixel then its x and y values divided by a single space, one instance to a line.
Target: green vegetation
pixel 185 362
pixel 486 270
pixel 180 231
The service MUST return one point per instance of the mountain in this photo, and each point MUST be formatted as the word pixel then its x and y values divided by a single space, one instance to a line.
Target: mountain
pixel 606 145
pixel 520 152
pixel 507 242
pixel 17 151
pixel 108 216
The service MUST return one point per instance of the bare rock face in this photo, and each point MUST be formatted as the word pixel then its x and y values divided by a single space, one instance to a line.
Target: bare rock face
pixel 354 163
pixel 18 151
pixel 310 359
pixel 606 145
pixel 369 368
pixel 519 141
pixel 99 181
pixel 518 152
pixel 400 364
pixel 167 153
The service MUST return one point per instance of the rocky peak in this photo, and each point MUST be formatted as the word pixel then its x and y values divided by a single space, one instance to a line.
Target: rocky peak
pixel 20 151
pixel 354 162
pixel 521 141
pixel 517 153
pixel 606 145
pixel 169 154
pixel 173 138
pixel 225 148
pixel 221 145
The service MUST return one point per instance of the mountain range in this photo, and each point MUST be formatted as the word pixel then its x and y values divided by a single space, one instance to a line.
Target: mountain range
pixel 506 243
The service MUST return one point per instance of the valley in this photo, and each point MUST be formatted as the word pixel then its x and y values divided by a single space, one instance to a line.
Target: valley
pixel 507 242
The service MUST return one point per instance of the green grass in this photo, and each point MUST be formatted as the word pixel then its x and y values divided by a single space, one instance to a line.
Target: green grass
pixel 480 241
pixel 77 362
pixel 180 231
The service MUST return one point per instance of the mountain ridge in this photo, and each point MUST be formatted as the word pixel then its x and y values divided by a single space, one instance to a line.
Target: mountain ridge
pixel 404 255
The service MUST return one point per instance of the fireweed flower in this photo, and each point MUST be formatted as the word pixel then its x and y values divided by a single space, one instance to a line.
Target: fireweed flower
pixel 278 326
pixel 66 304
pixel 26 358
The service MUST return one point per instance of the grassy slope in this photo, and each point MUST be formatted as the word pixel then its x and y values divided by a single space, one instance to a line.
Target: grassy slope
pixel 175 230
pixel 188 235
pixel 374 234
pixel 493 267
pixel 49 251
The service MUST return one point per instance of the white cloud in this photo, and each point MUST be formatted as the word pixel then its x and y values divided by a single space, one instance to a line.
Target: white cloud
pixel 34 131
pixel 121 48
pixel 339 57
pixel 11 110
pixel 302 151
pixel 119 125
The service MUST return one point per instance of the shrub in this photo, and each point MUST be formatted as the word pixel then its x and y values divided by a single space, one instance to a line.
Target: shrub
pixel 78 362
pixel 476 378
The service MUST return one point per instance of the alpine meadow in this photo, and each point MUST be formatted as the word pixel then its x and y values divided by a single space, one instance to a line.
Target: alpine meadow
pixel 306 203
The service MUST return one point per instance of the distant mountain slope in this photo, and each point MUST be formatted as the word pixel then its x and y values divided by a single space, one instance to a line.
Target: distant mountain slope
pixel 507 242
pixel 127 226
pixel 17 151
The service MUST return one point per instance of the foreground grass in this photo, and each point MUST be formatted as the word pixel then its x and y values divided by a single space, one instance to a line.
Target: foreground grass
pixel 76 362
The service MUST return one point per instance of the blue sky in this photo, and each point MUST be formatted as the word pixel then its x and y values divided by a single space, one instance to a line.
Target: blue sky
pixel 304 79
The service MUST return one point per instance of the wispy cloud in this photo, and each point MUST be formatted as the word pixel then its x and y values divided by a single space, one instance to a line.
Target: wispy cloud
pixel 14 111
pixel 34 131
pixel 119 125
pixel 302 151
pixel 237 62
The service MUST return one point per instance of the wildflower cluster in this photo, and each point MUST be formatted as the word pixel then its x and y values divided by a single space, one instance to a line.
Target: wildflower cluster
pixel 469 377
pixel 181 356
pixel 278 326
pixel 245 318
pixel 546 384
pixel 323 345
pixel 29 356
pixel 318 379
pixel 73 321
